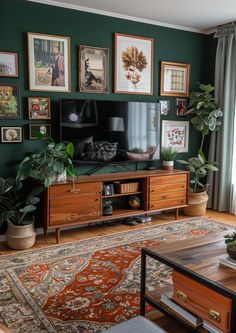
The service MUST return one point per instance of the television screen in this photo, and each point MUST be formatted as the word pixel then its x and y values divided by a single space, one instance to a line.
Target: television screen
pixel 106 131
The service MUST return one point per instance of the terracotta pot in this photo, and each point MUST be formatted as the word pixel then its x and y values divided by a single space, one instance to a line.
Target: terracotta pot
pixel 168 165
pixel 231 250
pixel 197 204
pixel 20 237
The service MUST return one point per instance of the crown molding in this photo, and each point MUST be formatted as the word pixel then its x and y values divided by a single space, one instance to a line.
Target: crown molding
pixel 117 15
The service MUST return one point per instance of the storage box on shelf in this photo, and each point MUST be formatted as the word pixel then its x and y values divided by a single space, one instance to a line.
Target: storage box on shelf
pixel 69 204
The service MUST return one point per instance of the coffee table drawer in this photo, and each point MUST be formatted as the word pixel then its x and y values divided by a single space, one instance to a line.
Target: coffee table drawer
pixel 202 301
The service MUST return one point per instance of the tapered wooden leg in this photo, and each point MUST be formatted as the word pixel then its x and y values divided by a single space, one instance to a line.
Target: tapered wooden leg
pixel 176 213
pixel 58 230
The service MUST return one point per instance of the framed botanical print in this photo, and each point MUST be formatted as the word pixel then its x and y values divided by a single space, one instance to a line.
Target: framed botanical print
pixel 133 64
pixel 174 79
pixel 93 69
pixel 9 101
pixel 49 62
pixel 42 128
pixel 181 106
pixel 175 134
pixel 39 108
pixel 11 134
pixel 8 64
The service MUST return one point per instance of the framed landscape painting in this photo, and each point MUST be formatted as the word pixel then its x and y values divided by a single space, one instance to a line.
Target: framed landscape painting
pixel 175 134
pixel 49 62
pixel 8 64
pixel 133 64
pixel 93 69
pixel 11 134
pixel 42 128
pixel 39 108
pixel 9 101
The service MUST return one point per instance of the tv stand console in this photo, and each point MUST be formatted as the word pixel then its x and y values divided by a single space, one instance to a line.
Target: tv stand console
pixel 82 202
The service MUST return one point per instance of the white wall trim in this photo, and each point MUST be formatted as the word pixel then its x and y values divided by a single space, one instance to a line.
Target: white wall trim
pixel 121 16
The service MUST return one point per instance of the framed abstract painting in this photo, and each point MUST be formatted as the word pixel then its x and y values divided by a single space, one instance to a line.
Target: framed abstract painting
pixel 175 134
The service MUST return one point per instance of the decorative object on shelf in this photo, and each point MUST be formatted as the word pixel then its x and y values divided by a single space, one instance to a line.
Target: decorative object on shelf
pixel 123 188
pixel 16 203
pixel 174 79
pixel 44 129
pixel 49 62
pixel 107 208
pixel 137 154
pixel 165 107
pixel 169 155
pixel 134 202
pixel 8 64
pixel 9 101
pixel 133 64
pixel 93 69
pixel 11 134
pixel 205 112
pixel 39 108
pixel 175 134
pixel 197 196
pixel 230 240
pixel 108 189
pixel 181 106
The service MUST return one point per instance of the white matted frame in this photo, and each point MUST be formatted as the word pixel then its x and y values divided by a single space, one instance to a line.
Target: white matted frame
pixel 175 134
pixel 174 79
pixel 49 63
pixel 133 64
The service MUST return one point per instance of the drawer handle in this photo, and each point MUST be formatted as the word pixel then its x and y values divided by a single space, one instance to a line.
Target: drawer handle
pixel 214 315
pixel 182 296
pixel 74 190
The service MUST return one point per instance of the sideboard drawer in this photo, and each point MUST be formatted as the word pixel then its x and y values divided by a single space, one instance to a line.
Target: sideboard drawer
pixel 154 205
pixel 68 190
pixel 168 179
pixel 167 195
pixel 168 187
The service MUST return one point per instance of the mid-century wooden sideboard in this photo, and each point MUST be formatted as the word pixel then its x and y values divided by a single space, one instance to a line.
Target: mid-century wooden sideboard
pixel 81 202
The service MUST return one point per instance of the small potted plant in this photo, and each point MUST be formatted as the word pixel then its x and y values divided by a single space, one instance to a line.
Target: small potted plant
pixel 169 155
pixel 17 203
pixel 230 240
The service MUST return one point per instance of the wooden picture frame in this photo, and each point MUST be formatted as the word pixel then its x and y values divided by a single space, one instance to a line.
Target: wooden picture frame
pixel 43 128
pixel 93 69
pixel 49 63
pixel 11 134
pixel 108 189
pixel 175 134
pixel 131 76
pixel 174 79
pixel 39 108
pixel 9 101
pixel 9 64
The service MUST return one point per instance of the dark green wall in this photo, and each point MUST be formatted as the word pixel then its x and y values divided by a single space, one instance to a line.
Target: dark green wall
pixel 19 17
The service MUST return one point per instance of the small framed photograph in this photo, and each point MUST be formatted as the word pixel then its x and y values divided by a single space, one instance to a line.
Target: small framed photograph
pixel 42 128
pixel 133 64
pixel 11 134
pixel 108 189
pixel 181 106
pixel 174 79
pixel 39 108
pixel 175 134
pixel 8 64
pixel 49 62
pixel 93 69
pixel 9 101
pixel 165 107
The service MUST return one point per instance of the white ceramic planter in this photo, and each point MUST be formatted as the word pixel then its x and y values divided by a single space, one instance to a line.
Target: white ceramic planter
pixel 20 237
pixel 60 177
pixel 168 165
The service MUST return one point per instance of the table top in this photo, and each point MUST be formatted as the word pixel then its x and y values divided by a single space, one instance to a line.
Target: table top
pixel 199 257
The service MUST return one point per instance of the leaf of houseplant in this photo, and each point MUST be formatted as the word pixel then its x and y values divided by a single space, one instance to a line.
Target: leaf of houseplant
pixel 6 215
pixel 32 200
pixel 70 149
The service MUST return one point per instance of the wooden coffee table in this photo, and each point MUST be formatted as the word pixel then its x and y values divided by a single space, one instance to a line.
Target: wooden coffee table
pixel 198 259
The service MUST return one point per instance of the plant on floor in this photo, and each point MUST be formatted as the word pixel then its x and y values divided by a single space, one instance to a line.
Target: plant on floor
pixel 230 240
pixel 50 163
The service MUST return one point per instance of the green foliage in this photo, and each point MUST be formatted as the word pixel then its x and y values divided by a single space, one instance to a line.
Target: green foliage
pixel 169 153
pixel 52 159
pixel 16 201
pixel 198 167
pixel 230 238
pixel 137 150
pixel 204 111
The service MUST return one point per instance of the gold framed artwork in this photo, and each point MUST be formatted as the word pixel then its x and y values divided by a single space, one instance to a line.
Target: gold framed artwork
pixel 39 108
pixel 8 64
pixel 9 101
pixel 42 128
pixel 93 69
pixel 49 63
pixel 133 64
pixel 174 79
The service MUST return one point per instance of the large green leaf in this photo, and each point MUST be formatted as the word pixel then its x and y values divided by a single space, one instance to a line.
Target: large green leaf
pixel 27 209
pixel 70 149
pixel 6 215
pixel 32 200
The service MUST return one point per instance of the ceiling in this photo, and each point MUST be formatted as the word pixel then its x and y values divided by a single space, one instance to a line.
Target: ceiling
pixel 198 16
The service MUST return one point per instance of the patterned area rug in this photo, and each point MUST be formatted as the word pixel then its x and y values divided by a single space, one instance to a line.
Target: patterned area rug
pixel 89 285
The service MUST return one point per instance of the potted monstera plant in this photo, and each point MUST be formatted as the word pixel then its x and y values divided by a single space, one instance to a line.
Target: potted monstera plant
pixel 17 204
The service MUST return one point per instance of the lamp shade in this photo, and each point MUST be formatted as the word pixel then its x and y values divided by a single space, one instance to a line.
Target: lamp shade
pixel 115 124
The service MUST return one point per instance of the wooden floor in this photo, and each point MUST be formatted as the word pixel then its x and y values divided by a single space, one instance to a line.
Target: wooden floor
pixel 68 236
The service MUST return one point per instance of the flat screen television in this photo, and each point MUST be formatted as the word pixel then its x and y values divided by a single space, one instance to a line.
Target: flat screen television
pixel 105 131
